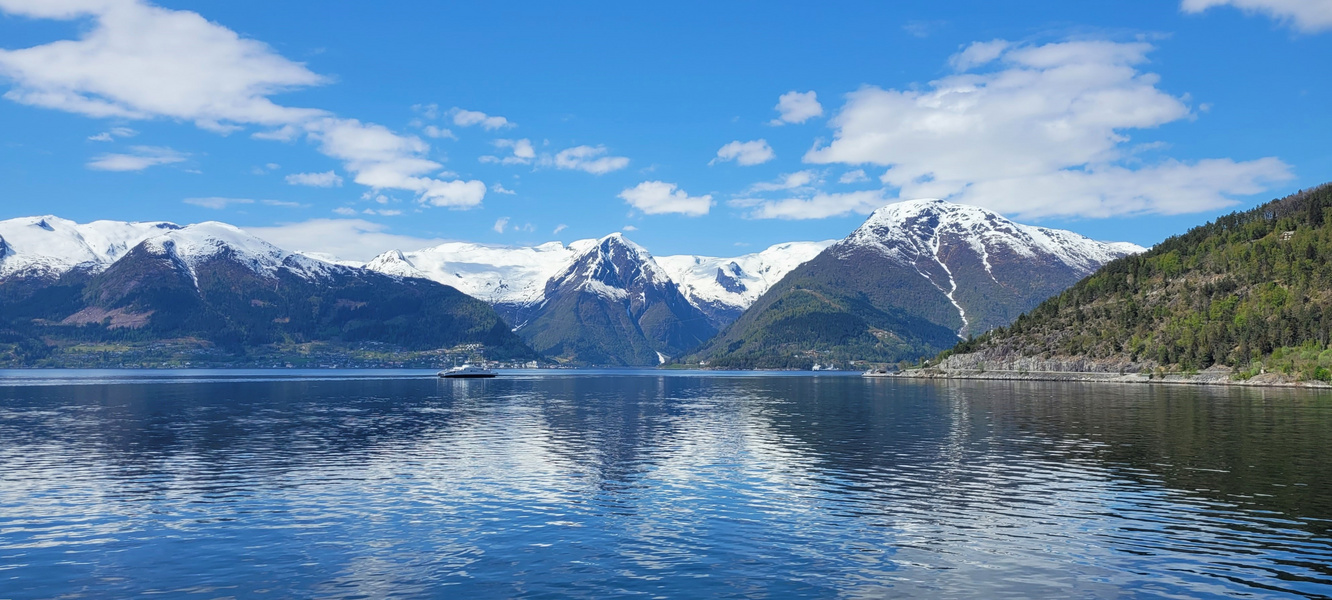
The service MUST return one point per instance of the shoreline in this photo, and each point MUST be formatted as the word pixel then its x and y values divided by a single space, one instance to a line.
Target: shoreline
pixel 1220 378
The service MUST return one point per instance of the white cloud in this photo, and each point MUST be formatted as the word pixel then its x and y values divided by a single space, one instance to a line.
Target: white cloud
pixel 432 131
pixel 216 203
pixel 383 212
pixel 923 29
pixel 978 53
pixel 1305 15
pixel 788 181
pixel 325 179
pixel 658 197
pixel 345 211
pixel 284 204
pixel 140 158
pixel 350 239
pixel 559 228
pixel 499 188
pixel 112 134
pixel 797 107
pixel 628 228
pixel 746 154
pixel 139 61
pixel 500 224
pixel 589 159
pixel 819 206
pixel 855 176
pixel 522 152
pixel 380 159
pixel 468 118
pixel 1042 136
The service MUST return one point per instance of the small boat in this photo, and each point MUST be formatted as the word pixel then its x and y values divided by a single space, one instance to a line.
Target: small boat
pixel 468 372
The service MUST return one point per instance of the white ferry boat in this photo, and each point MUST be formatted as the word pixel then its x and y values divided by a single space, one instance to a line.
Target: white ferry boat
pixel 468 372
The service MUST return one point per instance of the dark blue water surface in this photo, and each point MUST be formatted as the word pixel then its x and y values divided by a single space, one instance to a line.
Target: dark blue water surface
pixel 378 484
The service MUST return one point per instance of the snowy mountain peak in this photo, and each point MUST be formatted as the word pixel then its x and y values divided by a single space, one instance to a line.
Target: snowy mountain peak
pixel 48 246
pixel 195 244
pixel 610 268
pixel 724 287
pixel 913 229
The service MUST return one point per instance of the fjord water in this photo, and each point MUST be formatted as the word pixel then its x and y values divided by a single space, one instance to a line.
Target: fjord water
pixel 622 484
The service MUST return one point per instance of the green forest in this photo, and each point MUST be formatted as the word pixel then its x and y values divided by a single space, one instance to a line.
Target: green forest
pixel 1251 290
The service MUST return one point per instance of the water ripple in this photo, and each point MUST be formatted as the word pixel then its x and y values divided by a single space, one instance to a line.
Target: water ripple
pixel 376 484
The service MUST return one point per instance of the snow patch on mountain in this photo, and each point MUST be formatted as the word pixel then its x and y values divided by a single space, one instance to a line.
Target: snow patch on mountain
pixel 610 266
pixel 49 246
pixel 195 244
pixel 737 281
pixel 492 273
pixel 901 229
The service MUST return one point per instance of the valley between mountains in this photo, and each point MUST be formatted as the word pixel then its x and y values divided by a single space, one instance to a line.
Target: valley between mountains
pixel 913 280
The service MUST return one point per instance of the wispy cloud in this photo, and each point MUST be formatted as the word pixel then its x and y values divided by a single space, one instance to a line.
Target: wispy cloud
pixel 590 159
pixel 325 179
pixel 1309 16
pixel 113 133
pixel 217 203
pixel 138 159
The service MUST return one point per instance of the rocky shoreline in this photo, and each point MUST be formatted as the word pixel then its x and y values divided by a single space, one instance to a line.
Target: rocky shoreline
pixel 1213 376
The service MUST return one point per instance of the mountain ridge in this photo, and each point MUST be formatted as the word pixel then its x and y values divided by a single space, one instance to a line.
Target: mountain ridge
pixel 890 290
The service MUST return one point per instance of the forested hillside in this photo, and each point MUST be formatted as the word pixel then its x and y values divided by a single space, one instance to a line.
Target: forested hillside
pixel 1251 291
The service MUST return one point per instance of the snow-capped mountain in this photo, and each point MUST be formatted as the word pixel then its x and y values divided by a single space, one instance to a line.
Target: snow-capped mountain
pixel 501 275
pixel 910 281
pixel 48 247
pixel 216 284
pixel 724 287
pixel 935 238
pixel 193 245
pixel 613 304
pixel 512 278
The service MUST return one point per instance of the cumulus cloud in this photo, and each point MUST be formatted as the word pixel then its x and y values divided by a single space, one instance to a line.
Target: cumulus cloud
pixel 500 224
pixel 1305 15
pixel 659 197
pixel 522 152
pixel 139 158
pixel 468 118
pixel 499 188
pixel 140 61
pixel 379 158
pixel 746 154
pixel 590 159
pixel 325 179
pixel 112 134
pixel 797 107
pixel 217 203
pixel 1043 133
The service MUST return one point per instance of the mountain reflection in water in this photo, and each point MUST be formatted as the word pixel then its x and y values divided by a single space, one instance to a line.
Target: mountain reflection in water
pixel 595 484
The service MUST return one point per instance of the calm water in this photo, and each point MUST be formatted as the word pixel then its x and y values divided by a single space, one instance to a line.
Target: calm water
pixel 385 484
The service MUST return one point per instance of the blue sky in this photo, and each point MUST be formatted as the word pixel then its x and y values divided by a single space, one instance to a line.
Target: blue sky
pixel 706 128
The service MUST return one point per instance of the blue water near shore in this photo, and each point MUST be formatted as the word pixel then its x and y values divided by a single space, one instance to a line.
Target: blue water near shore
pixel 595 484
